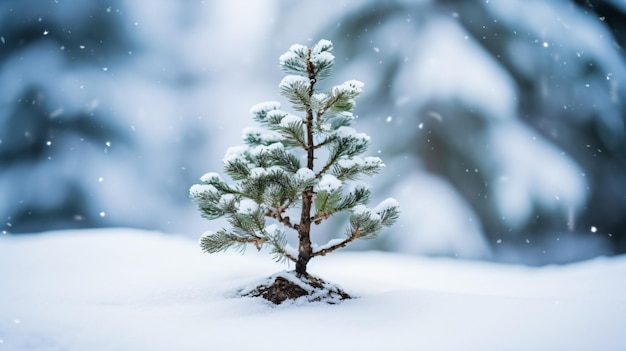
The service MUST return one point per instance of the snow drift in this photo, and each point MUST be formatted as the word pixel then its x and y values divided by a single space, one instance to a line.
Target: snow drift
pixel 122 289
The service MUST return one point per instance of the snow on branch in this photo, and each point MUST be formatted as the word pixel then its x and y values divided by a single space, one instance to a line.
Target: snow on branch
pixel 341 98
pixel 261 110
pixel 212 242
pixel 351 168
pixel 335 244
pixel 294 60
pixel 296 90
pixel 322 46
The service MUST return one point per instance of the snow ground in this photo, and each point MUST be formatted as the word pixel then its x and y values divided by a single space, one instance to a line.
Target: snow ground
pixel 123 289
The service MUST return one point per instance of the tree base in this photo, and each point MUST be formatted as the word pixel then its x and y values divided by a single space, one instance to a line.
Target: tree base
pixel 289 286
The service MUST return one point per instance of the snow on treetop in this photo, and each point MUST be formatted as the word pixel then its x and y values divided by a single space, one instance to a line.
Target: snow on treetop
pixel 386 205
pixel 328 183
pixel 264 107
pixel 352 87
pixel 298 49
pixel 323 45
pixel 321 57
pixel 294 59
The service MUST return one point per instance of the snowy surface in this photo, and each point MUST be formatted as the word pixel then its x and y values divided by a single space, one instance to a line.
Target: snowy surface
pixel 125 289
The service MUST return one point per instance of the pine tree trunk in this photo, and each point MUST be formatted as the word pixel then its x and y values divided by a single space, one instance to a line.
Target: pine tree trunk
pixel 305 251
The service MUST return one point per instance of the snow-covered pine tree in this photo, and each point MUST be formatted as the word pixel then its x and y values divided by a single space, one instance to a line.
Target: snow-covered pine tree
pixel 271 181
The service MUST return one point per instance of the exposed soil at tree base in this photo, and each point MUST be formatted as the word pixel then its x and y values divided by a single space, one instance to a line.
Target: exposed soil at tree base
pixel 288 286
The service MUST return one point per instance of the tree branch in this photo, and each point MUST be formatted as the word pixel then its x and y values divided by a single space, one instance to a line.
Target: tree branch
pixel 296 137
pixel 330 163
pixel 285 254
pixel 320 216
pixel 343 243
pixel 328 105
pixel 258 242
pixel 276 213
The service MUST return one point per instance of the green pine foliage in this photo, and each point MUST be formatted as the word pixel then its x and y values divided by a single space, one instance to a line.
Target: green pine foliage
pixel 270 178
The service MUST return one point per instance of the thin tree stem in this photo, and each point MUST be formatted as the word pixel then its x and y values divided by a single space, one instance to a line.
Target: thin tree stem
pixel 343 243
pixel 305 251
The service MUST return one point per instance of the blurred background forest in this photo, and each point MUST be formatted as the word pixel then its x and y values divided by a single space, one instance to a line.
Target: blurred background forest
pixel 502 123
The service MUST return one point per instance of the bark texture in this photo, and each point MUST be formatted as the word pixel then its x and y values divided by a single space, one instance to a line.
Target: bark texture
pixel 305 251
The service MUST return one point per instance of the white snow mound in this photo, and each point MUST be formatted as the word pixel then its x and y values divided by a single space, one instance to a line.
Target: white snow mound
pixel 122 289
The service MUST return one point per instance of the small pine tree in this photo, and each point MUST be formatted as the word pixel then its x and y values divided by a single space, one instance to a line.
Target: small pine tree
pixel 271 182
